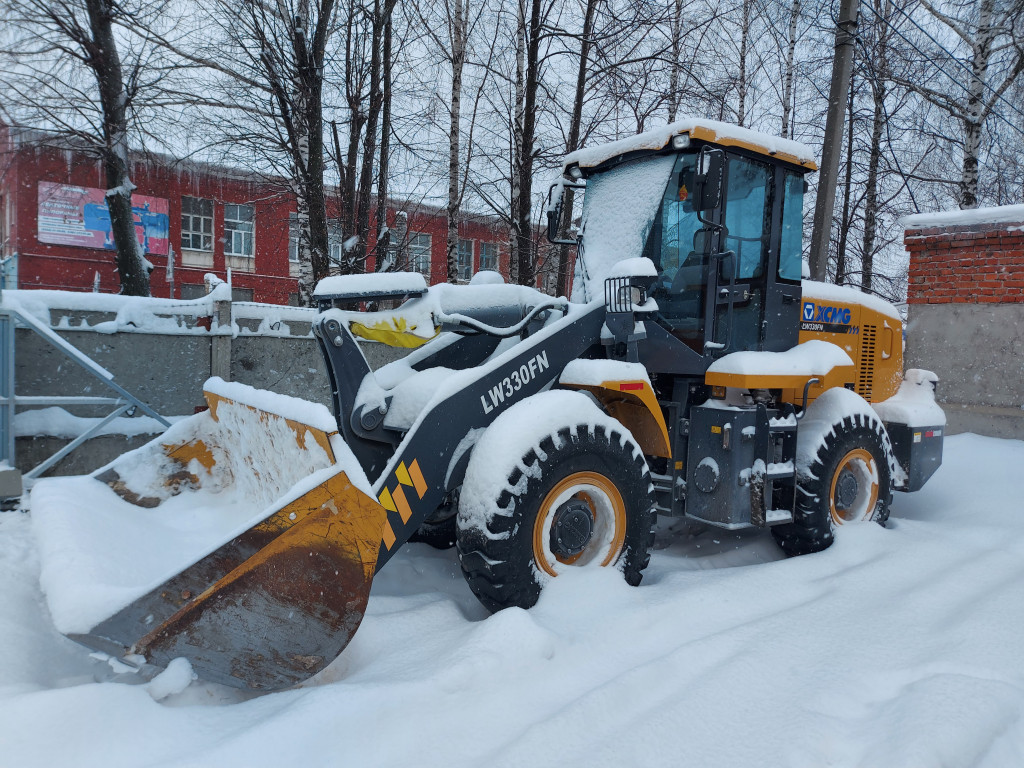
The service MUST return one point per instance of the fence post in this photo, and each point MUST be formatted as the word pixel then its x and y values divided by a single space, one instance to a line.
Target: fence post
pixel 220 345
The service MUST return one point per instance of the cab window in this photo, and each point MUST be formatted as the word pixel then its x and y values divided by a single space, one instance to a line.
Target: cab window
pixel 791 245
pixel 747 211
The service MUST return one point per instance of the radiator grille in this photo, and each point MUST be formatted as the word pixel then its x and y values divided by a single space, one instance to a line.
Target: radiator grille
pixel 867 361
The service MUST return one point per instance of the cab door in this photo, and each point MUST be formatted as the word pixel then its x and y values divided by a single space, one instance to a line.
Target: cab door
pixel 742 264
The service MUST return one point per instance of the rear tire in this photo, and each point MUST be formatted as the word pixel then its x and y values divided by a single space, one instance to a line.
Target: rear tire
pixel 849 480
pixel 590 492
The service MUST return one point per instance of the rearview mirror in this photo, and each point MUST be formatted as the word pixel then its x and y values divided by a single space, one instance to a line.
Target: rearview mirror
pixel 709 179
pixel 554 211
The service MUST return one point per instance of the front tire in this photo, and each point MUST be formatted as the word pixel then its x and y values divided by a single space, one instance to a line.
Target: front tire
pixel 848 480
pixel 585 499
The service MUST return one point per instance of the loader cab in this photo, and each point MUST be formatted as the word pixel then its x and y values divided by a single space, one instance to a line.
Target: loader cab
pixel 728 275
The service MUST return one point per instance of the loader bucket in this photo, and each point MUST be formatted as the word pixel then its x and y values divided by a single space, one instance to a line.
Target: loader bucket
pixel 275 600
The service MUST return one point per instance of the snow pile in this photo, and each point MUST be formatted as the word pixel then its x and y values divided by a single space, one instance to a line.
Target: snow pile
pixel 896 647
pixel 841 294
pixel 57 422
pixel 594 373
pixel 411 395
pixel 133 314
pixel 659 137
pixel 370 284
pixel 303 411
pixel 914 404
pixel 618 211
pixel 811 358
pixel 959 217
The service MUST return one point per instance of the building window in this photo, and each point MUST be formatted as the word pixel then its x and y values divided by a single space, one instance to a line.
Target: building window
pixel 196 224
pixel 419 253
pixel 464 259
pixel 335 242
pixel 238 230
pixel 489 256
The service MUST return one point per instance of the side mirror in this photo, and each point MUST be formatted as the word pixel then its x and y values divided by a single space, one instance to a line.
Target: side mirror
pixel 554 211
pixel 709 179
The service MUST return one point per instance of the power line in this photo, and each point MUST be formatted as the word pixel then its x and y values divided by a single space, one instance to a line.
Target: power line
pixel 998 114
pixel 963 65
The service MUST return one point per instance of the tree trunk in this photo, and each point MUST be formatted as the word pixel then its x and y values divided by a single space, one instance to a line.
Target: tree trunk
pixel 459 31
pixel 879 90
pixel 846 223
pixel 573 144
pixel 974 119
pixel 787 88
pixel 105 62
pixel 518 113
pixel 358 257
pixel 524 228
pixel 382 262
pixel 741 112
pixel 673 75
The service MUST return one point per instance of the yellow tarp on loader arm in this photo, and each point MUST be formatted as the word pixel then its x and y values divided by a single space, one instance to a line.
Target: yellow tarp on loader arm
pixel 278 598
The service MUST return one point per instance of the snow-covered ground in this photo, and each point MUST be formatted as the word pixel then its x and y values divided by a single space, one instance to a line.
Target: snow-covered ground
pixel 897 647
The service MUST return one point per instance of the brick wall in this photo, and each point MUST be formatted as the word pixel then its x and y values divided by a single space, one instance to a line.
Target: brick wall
pixel 970 263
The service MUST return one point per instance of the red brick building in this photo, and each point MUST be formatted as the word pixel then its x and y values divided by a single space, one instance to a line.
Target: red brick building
pixel 54 229
pixel 965 314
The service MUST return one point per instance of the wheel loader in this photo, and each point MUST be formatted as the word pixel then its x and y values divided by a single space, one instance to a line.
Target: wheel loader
pixel 693 373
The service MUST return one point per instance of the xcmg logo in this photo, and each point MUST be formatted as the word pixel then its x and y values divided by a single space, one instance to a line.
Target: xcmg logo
pixel 823 313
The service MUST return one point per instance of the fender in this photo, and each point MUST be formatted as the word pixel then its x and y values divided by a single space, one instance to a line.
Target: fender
pixel 625 392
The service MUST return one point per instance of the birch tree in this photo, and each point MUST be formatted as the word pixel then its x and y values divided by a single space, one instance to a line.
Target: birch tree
pixel 991 32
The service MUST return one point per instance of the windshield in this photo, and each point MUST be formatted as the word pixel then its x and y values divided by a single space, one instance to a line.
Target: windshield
pixel 619 209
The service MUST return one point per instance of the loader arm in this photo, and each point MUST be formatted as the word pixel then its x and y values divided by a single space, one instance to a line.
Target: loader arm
pixel 432 457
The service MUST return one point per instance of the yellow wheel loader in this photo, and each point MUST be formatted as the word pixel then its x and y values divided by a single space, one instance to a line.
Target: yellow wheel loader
pixel 692 374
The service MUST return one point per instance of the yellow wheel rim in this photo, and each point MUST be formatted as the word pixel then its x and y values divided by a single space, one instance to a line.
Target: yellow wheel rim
pixel 609 522
pixel 853 493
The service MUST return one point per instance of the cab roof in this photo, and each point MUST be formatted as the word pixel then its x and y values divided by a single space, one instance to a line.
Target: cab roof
pixel 713 131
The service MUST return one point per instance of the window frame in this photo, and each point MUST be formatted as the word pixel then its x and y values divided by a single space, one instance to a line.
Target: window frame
pixel 491 267
pixel 231 231
pixel 205 237
pixel 463 260
pixel 416 251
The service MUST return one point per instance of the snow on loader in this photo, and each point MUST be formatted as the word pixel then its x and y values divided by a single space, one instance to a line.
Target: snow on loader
pixel 693 374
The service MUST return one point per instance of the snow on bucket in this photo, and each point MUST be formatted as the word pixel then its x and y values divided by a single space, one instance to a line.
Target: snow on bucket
pixel 244 538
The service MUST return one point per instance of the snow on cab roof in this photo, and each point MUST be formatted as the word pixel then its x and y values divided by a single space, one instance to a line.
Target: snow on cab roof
pixel 703 130
pixel 956 217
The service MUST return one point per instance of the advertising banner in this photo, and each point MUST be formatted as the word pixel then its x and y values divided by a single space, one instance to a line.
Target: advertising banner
pixel 79 216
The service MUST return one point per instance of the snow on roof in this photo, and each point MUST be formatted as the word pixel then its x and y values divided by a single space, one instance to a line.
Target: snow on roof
pixel 842 293
pixel 956 217
pixel 705 130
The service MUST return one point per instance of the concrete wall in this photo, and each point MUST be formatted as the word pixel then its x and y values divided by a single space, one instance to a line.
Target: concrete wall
pixel 166 371
pixel 966 315
pixel 978 353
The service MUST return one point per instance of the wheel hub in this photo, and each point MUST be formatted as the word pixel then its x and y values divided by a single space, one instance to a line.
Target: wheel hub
pixel 571 528
pixel 846 490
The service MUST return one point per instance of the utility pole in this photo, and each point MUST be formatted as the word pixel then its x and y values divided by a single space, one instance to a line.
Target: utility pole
pixel 842 65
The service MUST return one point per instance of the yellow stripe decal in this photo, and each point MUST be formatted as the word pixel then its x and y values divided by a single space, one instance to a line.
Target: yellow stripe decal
pixel 403 474
pixel 388 535
pixel 417 478
pixel 386 501
pixel 402 503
